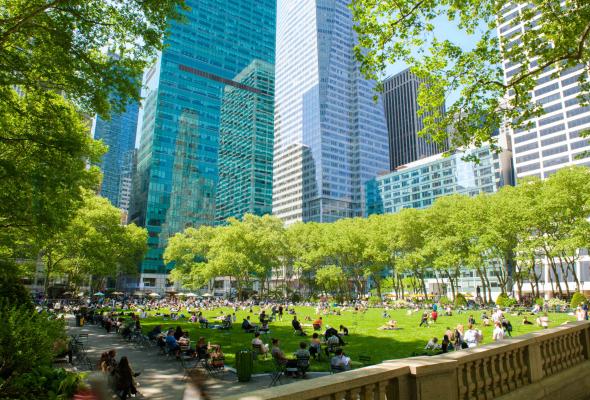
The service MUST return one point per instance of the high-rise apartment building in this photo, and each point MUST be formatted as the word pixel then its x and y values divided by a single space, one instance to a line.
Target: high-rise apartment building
pixel 553 141
pixel 330 136
pixel 178 166
pixel 246 145
pixel 400 100
pixel 118 134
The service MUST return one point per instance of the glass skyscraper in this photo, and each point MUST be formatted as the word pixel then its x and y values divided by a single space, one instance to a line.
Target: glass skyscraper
pixel 246 145
pixel 118 134
pixel 330 136
pixel 178 165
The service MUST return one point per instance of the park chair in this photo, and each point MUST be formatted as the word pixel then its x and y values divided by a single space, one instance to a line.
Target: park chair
pixel 331 348
pixel 188 364
pixel 302 364
pixel 257 350
pixel 279 371
pixel 214 370
pixel 226 325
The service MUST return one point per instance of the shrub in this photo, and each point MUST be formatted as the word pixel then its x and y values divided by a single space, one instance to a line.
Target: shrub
pixel 460 300
pixel 577 299
pixel 42 382
pixel 504 301
pixel 12 290
pixel 296 297
pixel 444 301
pixel 375 300
pixel 539 301
pixel 555 302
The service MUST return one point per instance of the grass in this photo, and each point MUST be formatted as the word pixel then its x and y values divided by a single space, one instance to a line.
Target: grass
pixel 364 337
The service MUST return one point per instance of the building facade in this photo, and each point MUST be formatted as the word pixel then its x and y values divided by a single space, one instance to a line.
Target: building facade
pixel 246 145
pixel 400 100
pixel 118 134
pixel 420 183
pixel 553 141
pixel 178 166
pixel 328 130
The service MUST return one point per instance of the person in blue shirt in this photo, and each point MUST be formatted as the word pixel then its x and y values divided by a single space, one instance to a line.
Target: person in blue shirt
pixel 172 343
pixel 434 307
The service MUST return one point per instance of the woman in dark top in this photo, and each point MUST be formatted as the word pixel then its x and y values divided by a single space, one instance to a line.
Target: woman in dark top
pixel 124 382
pixel 343 330
pixel 178 333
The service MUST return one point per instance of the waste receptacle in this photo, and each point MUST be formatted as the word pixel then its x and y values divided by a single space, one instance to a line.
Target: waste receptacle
pixel 244 365
pixel 78 316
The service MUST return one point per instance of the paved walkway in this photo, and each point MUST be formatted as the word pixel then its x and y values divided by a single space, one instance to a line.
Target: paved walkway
pixel 162 377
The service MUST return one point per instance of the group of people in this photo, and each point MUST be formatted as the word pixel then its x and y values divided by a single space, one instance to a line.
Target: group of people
pixel 120 374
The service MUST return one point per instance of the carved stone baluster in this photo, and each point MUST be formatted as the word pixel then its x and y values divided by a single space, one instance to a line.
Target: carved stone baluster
pixel 471 385
pixel 511 369
pixel 463 382
pixel 503 372
pixel 381 390
pixel 496 390
pixel 338 396
pixel 487 377
pixel 524 376
pixel 367 392
pixel 480 378
pixel 353 394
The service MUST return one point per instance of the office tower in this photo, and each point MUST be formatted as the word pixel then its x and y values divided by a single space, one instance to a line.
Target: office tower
pixel 118 134
pixel 126 180
pixel 177 167
pixel 246 145
pixel 330 136
pixel 400 100
pixel 419 183
pixel 553 141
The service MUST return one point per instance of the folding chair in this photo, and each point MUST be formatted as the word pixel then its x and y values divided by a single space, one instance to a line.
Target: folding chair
pixel 302 365
pixel 277 373
pixel 214 370
pixel 257 350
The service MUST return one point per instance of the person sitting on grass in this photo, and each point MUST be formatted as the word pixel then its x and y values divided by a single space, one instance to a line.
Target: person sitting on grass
pixel 343 330
pixel 432 344
pixel 525 321
pixel 315 345
pixel 279 356
pixel 391 325
pixel 333 332
pixel 340 362
pixel 203 320
pixel 264 328
pixel 471 320
pixel 297 326
pixel 248 326
pixel 424 319
pixel 317 324
pixel 543 321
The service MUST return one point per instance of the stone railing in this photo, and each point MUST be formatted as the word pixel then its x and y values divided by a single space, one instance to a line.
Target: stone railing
pixel 540 365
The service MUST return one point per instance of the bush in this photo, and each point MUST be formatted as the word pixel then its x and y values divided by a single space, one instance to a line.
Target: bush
pixel 42 382
pixel 577 299
pixel 555 302
pixel 460 300
pixel 539 301
pixel 12 290
pixel 296 297
pixel 505 301
pixel 375 300
pixel 444 301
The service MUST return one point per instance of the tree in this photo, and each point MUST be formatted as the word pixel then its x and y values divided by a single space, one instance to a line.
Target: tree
pixel 95 244
pixel 53 72
pixel 392 31
pixel 332 278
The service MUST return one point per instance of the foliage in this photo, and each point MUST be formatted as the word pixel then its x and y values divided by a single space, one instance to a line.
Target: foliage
pixel 460 300
pixel 505 301
pixel 555 302
pixel 95 243
pixel 539 301
pixel 577 299
pixel 375 300
pixel 444 301
pixel 407 31
pixel 12 291
pixel 43 382
pixel 34 336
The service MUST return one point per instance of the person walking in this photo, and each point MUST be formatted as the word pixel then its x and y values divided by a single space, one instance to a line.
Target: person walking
pixel 498 333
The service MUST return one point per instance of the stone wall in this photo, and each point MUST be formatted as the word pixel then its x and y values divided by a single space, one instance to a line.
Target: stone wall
pixel 550 364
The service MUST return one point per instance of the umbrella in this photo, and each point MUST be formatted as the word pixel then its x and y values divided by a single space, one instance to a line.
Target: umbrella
pixel 154 295
pixel 207 295
pixel 67 293
pixel 80 294
pixel 190 294
pixel 182 294
pixel 99 294
pixel 138 293
pixel 118 293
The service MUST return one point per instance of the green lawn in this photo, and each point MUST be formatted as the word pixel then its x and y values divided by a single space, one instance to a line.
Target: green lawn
pixel 364 337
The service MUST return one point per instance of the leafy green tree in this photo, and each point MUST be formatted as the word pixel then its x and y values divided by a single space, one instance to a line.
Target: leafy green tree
pixel 95 244
pixel 332 278
pixel 393 31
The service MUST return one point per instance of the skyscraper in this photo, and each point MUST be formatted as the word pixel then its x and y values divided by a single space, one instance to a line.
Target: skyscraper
pixel 246 145
pixel 178 165
pixel 400 99
pixel 330 136
pixel 118 134
pixel 553 141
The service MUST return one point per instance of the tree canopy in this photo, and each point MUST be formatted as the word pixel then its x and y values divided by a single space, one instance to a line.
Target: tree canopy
pixel 555 38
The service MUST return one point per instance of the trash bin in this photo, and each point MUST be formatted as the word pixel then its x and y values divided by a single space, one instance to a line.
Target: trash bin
pixel 78 316
pixel 244 365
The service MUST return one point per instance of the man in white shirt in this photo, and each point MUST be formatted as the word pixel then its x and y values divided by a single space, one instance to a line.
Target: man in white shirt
pixel 472 337
pixel 498 332
pixel 340 361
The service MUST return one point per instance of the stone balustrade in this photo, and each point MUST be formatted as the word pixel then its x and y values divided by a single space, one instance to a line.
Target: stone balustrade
pixel 552 363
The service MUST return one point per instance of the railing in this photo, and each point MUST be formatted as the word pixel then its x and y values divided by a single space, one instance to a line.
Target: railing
pixel 512 368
